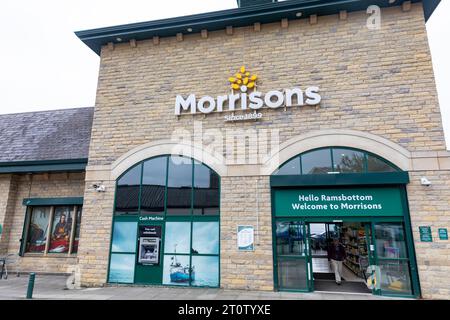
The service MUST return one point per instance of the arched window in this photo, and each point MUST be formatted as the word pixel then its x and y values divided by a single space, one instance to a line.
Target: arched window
pixel 335 160
pixel 168 185
pixel 182 196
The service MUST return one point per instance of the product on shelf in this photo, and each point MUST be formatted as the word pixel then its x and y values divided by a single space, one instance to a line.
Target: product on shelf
pixel 355 242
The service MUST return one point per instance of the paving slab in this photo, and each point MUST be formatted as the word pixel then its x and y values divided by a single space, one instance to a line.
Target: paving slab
pixel 54 288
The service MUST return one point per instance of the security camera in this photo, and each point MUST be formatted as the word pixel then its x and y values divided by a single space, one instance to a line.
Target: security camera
pixel 425 182
pixel 99 187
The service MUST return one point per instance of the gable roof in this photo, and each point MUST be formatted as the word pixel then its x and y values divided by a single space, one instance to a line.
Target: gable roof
pixel 261 12
pixel 56 135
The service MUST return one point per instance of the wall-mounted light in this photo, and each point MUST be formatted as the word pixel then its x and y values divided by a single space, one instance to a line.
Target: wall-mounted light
pixel 119 39
pixel 189 29
pixel 298 14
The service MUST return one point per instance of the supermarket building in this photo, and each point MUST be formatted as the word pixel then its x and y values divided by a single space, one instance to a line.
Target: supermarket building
pixel 227 149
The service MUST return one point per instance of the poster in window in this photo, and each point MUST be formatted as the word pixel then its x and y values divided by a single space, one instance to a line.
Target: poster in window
pixel 62 227
pixel 206 271
pixel 177 270
pixel 38 229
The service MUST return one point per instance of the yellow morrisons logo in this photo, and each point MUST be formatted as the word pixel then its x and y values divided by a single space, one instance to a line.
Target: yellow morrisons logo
pixel 243 80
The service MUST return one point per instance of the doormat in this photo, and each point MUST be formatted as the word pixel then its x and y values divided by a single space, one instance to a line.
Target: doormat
pixel 346 286
pixel 324 276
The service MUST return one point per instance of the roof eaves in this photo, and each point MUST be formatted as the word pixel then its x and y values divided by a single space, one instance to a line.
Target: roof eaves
pixel 239 17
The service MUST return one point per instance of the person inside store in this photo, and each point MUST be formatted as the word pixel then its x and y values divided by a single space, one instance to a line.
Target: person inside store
pixel 336 256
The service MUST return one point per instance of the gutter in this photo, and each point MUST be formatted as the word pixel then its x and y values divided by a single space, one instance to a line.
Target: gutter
pixel 66 165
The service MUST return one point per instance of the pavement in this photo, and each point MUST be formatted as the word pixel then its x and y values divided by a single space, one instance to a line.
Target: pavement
pixel 51 287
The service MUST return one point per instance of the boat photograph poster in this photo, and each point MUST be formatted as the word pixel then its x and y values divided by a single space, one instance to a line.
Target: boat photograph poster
pixel 203 272
pixel 191 260
pixel 177 270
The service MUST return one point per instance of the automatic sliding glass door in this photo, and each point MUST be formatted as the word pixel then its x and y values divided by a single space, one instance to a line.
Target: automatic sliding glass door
pixel 293 257
pixel 393 259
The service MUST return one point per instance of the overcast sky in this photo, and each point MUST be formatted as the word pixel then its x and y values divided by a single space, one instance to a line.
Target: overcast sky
pixel 43 65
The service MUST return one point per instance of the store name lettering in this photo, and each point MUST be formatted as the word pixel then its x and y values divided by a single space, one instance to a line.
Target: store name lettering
pixel 248 101
pixel 304 202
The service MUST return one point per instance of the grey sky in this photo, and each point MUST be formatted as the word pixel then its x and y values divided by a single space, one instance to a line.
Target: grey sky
pixel 45 66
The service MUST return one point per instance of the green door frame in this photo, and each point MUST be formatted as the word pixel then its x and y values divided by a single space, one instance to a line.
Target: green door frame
pixel 285 182
pixel 162 220
pixel 306 258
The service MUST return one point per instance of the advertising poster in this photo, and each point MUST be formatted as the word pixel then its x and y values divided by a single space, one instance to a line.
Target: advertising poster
pixel 38 231
pixel 245 238
pixel 62 224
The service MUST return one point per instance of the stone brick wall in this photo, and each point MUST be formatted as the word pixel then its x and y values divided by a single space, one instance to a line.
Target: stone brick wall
pixel 8 189
pixel 430 206
pixel 95 233
pixel 375 81
pixel 361 73
pixel 246 201
pixel 52 185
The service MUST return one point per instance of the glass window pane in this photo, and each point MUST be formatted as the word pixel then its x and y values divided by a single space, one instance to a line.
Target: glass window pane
pixel 290 238
pixel 61 229
pixel 395 277
pixel 121 269
pixel 390 240
pixel 319 241
pixel 38 229
pixel 205 271
pixel 127 194
pixel 206 190
pixel 290 167
pixel 316 162
pixel 292 274
pixel 177 237
pixel 375 164
pixel 77 230
pixel 153 186
pixel 176 270
pixel 124 237
pixel 346 160
pixel 205 238
pixel 179 186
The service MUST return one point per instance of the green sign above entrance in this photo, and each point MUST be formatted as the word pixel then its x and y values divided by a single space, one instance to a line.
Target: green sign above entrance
pixel 338 202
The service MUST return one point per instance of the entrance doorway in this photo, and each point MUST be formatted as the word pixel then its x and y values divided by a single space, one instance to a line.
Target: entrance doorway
pixel 355 241
pixel 374 249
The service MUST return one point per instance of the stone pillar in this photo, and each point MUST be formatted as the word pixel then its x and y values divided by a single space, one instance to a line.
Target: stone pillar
pixel 430 206
pixel 8 191
pixel 95 233
pixel 246 201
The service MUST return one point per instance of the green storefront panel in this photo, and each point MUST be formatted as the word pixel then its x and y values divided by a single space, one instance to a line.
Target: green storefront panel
pixel 374 202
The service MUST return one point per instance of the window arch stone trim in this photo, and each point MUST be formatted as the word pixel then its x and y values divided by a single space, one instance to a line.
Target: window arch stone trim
pixel 168 147
pixel 377 145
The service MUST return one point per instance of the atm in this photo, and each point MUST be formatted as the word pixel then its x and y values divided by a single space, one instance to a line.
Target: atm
pixel 149 244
